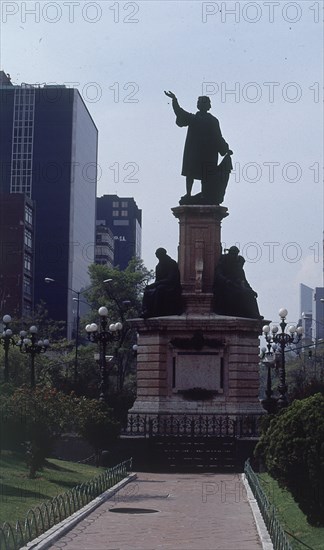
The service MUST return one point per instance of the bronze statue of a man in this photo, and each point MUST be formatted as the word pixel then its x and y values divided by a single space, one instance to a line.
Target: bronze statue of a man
pixel 232 293
pixel 163 297
pixel 203 144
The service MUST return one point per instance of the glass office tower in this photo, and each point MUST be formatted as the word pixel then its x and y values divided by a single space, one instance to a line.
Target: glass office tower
pixel 49 153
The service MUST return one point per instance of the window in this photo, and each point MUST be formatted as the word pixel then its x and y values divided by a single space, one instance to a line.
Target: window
pixel 28 238
pixel 27 263
pixel 121 222
pixel 124 213
pixel 115 213
pixel 28 215
pixel 115 204
pixel 27 285
pixel 124 204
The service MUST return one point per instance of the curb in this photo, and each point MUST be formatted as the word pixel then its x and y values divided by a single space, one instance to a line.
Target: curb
pixel 57 531
pixel 260 525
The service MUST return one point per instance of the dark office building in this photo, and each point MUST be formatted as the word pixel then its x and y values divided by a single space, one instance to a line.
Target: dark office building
pixel 49 153
pixel 124 218
pixel 16 254
pixel 105 246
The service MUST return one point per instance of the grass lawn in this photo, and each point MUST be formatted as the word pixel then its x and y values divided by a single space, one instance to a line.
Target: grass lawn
pixel 18 493
pixel 291 517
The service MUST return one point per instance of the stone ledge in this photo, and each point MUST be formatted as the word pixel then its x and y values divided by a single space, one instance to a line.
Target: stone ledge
pixel 208 323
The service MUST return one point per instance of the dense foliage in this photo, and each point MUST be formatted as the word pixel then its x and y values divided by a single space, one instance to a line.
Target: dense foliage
pixel 68 377
pixel 32 420
pixel 305 374
pixel 292 448
pixel 96 425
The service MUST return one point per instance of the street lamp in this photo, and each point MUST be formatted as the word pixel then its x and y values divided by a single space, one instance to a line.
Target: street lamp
pixel 33 347
pixel 6 340
pixel 282 339
pixel 268 360
pixel 77 292
pixel 103 335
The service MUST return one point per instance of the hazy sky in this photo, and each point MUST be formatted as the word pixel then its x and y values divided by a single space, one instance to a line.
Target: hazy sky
pixel 260 63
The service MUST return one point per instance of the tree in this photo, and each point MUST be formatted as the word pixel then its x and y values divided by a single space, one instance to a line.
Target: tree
pixel 19 363
pixel 123 295
pixel 19 372
pixel 292 448
pixel 57 370
pixel 305 374
pixel 31 421
pixel 96 425
pixel 123 298
pixel 53 330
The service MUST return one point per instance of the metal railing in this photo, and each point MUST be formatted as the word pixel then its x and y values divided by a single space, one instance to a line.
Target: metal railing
pixel 268 511
pixel 49 513
pixel 219 425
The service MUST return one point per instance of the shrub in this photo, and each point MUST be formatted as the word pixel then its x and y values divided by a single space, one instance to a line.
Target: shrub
pixel 292 448
pixel 96 425
pixel 31 420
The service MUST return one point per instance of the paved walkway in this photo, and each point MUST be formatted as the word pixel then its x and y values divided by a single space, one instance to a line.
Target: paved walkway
pixel 194 512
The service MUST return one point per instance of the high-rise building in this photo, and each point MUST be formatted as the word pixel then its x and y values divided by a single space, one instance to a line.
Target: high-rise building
pixel 16 254
pixel 318 313
pixel 124 218
pixel 49 154
pixel 312 312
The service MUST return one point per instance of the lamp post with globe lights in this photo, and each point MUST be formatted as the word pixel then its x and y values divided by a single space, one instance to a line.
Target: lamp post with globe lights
pixel 282 339
pixel 78 293
pixel 33 347
pixel 103 335
pixel 268 360
pixel 6 340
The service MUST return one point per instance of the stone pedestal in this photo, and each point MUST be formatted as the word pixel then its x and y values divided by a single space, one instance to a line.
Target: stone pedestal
pixel 215 353
pixel 197 362
pixel 198 253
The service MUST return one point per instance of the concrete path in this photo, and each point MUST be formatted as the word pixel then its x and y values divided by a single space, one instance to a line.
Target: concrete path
pixel 194 512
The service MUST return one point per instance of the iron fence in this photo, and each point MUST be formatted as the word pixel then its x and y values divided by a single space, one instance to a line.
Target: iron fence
pixel 164 424
pixel 268 511
pixel 49 513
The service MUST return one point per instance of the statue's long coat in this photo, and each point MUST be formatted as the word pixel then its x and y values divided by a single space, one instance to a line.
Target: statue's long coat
pixel 203 143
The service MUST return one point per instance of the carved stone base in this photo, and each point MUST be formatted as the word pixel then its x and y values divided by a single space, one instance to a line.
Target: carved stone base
pixel 209 352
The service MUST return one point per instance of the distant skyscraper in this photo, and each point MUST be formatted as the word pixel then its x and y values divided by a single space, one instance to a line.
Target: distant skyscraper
pixel 49 153
pixel 318 313
pixel 306 299
pixel 312 312
pixel 124 218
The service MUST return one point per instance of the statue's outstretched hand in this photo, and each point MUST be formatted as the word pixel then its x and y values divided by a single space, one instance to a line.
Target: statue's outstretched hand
pixel 170 94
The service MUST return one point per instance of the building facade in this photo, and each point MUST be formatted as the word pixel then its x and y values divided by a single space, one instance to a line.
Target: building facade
pixel 50 155
pixel 105 246
pixel 123 217
pixel 312 312
pixel 17 240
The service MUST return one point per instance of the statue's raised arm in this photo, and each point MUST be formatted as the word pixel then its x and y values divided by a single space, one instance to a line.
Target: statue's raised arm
pixel 170 94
